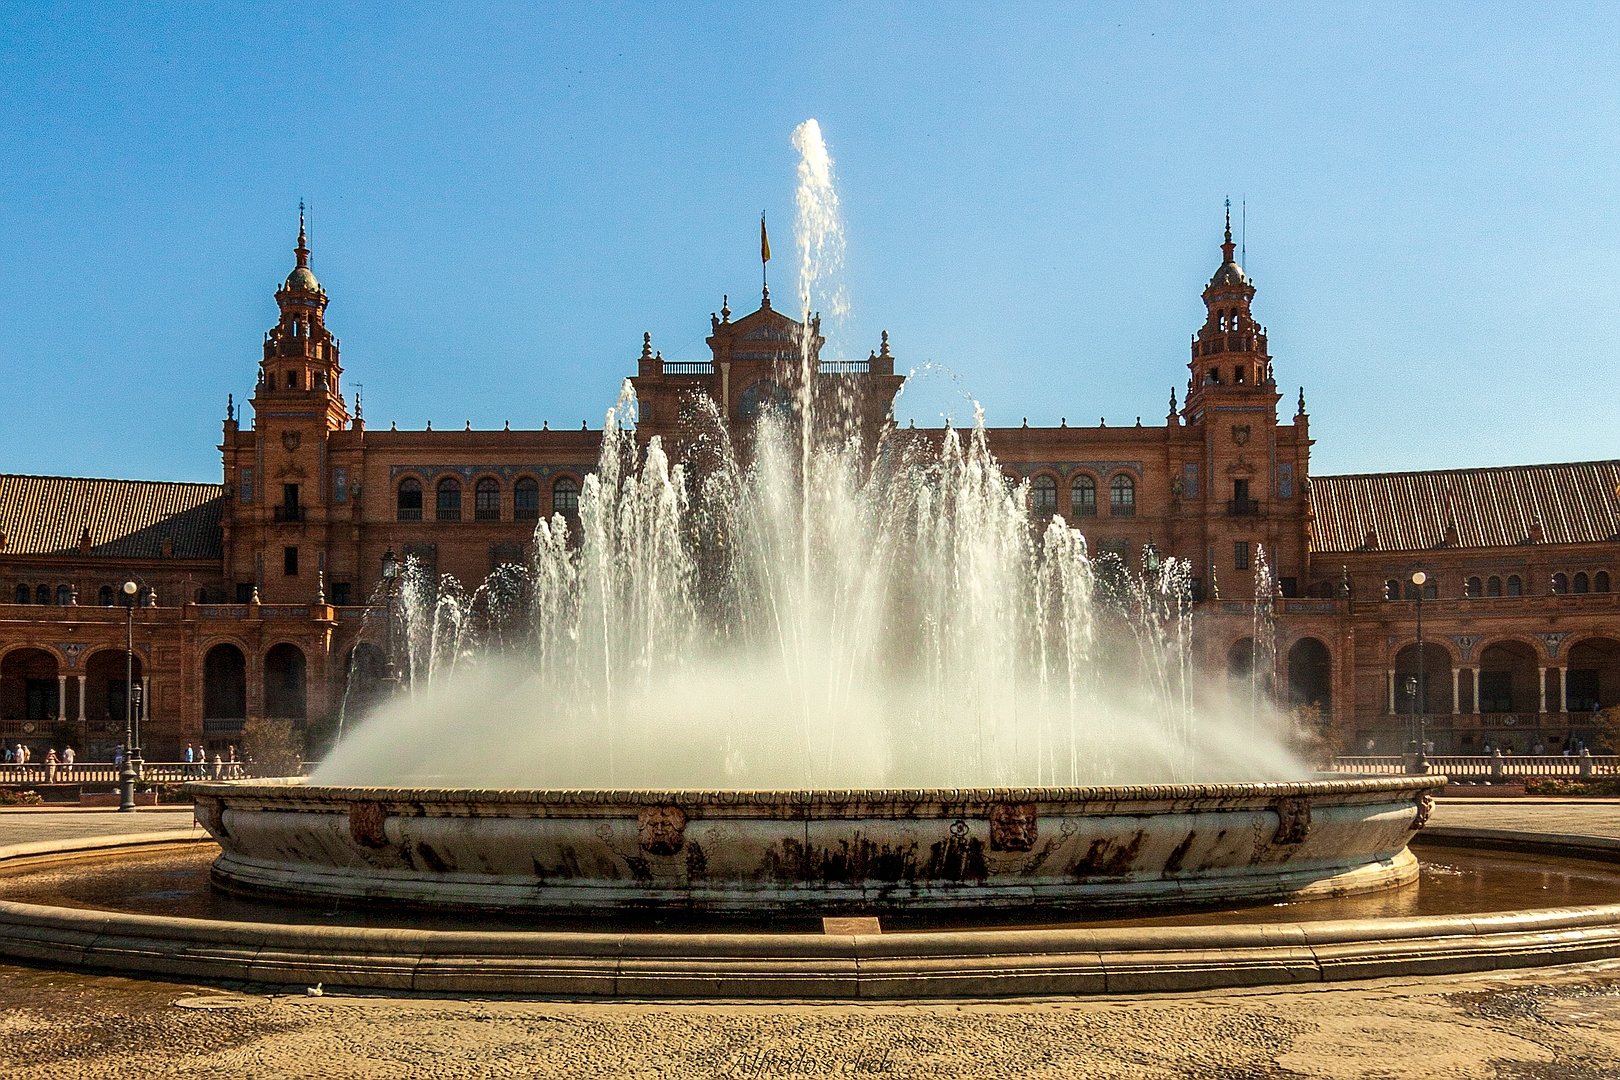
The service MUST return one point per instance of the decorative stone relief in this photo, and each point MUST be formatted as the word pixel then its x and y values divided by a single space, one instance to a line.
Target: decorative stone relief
pixel 1293 820
pixel 1552 641
pixel 210 815
pixel 1425 807
pixel 662 829
pixel 1013 827
pixel 1465 644
pixel 366 821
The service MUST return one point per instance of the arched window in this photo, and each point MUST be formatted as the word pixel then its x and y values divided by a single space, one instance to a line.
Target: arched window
pixel 1043 496
pixel 64 595
pixel 1122 497
pixel 1084 496
pixel 1560 584
pixel 565 496
pixel 1600 582
pixel 526 499
pixel 105 596
pixel 487 500
pixel 761 396
pixel 1515 586
pixel 1392 589
pixel 410 499
pixel 1431 589
pixel 1493 586
pixel 22 594
pixel 42 594
pixel 146 597
pixel 448 506
pixel 1581 584
pixel 1474 588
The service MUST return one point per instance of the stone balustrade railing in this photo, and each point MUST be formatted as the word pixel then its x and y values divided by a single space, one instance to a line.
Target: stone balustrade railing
pixel 151 772
pixel 1489 766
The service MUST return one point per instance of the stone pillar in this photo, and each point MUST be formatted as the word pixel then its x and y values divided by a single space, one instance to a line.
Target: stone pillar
pixel 1543 687
pixel 1391 680
pixel 61 697
pixel 1563 689
pixel 81 699
pixel 1456 691
pixel 1475 672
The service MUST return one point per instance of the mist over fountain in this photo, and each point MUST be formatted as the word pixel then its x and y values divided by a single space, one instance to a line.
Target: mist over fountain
pixel 812 611
pixel 814 665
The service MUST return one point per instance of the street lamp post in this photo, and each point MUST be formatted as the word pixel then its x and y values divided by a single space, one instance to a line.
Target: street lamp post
pixel 126 776
pixel 390 574
pixel 1419 759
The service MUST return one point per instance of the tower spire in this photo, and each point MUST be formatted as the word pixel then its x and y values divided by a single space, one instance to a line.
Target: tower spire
pixel 1227 247
pixel 302 250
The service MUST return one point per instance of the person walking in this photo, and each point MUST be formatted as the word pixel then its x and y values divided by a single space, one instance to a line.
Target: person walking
pixel 236 766
pixel 68 758
pixel 50 766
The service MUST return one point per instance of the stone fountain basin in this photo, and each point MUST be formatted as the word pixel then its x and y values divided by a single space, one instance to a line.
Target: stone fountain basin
pixel 814 851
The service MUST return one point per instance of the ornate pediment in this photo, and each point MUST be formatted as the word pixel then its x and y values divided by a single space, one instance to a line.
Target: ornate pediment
pixel 1241 467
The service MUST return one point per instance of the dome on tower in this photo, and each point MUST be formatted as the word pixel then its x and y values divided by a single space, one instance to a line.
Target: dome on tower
pixel 302 279
pixel 1230 273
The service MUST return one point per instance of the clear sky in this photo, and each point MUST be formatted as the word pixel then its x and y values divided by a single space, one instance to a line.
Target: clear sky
pixel 504 198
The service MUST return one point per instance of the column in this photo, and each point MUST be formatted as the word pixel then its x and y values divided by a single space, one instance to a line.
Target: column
pixel 61 697
pixel 146 697
pixel 1563 689
pixel 1390 674
pixel 81 699
pixel 1475 672
pixel 1456 691
pixel 1543 681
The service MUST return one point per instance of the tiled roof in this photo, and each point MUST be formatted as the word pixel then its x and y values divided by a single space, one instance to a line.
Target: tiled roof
pixel 1576 503
pixel 127 519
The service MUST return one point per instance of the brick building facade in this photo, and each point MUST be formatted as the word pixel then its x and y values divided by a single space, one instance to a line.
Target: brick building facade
pixel 254 591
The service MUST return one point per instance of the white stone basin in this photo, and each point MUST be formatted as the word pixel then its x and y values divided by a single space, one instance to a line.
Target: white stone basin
pixel 814 851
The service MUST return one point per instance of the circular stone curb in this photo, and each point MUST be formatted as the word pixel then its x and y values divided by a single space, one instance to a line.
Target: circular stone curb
pixel 978 963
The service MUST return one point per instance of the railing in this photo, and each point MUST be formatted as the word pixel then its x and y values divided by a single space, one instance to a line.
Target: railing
pixel 688 367
pixel 1242 508
pixel 843 367
pixel 1488 766
pixel 288 513
pixel 152 772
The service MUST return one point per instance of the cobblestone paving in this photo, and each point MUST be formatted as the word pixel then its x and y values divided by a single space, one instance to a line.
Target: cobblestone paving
pixel 26 826
pixel 1532 815
pixel 1524 1026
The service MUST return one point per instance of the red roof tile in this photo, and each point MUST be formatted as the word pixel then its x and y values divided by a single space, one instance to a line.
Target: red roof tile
pixel 128 519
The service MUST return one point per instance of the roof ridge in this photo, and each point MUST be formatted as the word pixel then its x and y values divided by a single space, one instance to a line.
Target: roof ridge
pixel 1470 469
pixel 110 480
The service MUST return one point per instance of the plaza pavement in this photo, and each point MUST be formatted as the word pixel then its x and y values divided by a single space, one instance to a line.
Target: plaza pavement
pixel 1559 1024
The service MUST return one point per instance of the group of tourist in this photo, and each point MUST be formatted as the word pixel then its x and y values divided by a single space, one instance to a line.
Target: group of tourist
pixel 224 768
pixel 21 755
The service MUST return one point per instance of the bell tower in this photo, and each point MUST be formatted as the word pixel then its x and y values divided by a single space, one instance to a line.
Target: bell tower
pixel 1229 358
pixel 300 361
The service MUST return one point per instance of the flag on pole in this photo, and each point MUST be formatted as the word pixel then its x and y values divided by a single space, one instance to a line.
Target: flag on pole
pixel 764 241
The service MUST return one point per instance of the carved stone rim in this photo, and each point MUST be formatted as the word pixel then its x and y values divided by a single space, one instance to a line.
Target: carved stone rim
pixel 1262 794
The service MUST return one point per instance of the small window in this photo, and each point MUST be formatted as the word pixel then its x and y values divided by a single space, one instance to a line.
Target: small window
pixel 105 596
pixel 1392 589
pixel 565 496
pixel 1238 373
pixel 487 500
pixel 1515 586
pixel 1084 496
pixel 147 597
pixel 448 506
pixel 1474 588
pixel 1581 583
pixel 1493 586
pixel 289 561
pixel 289 498
pixel 202 596
pixel 1122 497
pixel 1560 584
pixel 340 593
pixel 1431 589
pixel 244 592
pixel 1600 581
pixel 1043 496
pixel 1240 554
pixel 64 595
pixel 42 594
pixel 23 595
pixel 292 380
pixel 410 499
pixel 526 499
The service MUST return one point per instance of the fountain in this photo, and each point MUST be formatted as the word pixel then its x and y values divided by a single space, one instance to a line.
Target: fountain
pixel 818 671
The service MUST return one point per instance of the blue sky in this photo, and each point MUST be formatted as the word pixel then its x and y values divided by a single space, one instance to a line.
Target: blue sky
pixel 504 198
